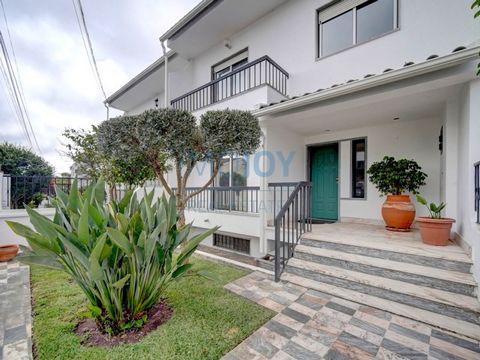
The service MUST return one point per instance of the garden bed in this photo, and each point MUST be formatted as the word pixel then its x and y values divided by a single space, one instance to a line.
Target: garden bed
pixel 207 321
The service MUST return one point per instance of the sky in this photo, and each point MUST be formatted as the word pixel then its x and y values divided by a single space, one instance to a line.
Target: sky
pixel 59 86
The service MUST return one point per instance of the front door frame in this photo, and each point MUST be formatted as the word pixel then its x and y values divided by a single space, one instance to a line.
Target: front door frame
pixel 310 148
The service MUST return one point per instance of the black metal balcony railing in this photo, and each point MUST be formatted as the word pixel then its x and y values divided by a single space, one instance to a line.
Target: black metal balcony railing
pixel 477 190
pixel 234 198
pixel 263 71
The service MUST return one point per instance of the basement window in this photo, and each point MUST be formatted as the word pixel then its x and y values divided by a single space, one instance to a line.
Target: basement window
pixel 351 22
pixel 232 243
pixel 358 168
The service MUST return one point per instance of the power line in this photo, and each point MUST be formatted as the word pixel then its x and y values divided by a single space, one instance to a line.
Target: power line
pixel 10 80
pixel 88 44
pixel 17 85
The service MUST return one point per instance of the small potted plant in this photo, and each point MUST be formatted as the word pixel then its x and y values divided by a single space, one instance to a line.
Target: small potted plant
pixel 435 230
pixel 8 252
pixel 393 178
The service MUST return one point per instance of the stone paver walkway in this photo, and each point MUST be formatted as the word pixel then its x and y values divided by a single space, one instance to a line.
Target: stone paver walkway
pixel 15 312
pixel 313 325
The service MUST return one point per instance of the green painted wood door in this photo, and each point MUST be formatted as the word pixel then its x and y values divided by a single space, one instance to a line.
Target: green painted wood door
pixel 324 174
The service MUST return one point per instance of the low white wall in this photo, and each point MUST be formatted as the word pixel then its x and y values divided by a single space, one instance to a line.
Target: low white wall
pixel 244 225
pixel 7 236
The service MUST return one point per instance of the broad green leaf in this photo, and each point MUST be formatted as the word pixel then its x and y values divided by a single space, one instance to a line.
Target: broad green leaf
pixel 74 197
pixel 421 200
pixel 100 191
pixel 42 224
pixel 46 261
pixel 120 240
pixel 193 243
pixel 121 283
pixel 181 270
pixel 83 233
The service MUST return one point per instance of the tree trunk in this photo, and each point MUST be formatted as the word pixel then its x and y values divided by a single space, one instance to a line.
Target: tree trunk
pixel 180 209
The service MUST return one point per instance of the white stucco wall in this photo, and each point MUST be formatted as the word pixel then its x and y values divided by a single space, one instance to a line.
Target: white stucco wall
pixel 414 139
pixel 468 154
pixel 288 36
pixel 149 104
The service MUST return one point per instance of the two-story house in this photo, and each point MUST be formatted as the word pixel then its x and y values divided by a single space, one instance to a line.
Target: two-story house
pixel 336 86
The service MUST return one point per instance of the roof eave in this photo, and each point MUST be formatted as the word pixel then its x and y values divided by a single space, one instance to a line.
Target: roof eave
pixel 189 18
pixel 377 80
pixel 138 78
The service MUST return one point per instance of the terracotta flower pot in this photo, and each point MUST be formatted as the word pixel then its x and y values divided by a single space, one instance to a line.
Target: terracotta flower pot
pixel 8 252
pixel 398 212
pixel 435 231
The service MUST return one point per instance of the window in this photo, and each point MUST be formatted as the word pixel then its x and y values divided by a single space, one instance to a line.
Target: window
pixel 231 243
pixel 231 85
pixel 232 172
pixel 352 22
pixel 358 168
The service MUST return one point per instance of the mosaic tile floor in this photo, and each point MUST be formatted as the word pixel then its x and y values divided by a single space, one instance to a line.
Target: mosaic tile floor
pixel 314 325
pixel 15 312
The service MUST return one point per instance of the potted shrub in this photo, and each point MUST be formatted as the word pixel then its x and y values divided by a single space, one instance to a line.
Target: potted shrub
pixel 435 230
pixel 393 178
pixel 8 252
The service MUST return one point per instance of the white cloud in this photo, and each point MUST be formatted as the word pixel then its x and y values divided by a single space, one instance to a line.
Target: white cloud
pixel 60 89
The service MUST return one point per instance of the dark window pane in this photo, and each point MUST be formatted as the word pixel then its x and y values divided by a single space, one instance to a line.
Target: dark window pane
pixel 374 18
pixel 337 33
pixel 358 168
pixel 239 174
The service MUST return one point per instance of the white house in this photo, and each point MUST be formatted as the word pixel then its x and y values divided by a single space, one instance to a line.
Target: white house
pixel 354 80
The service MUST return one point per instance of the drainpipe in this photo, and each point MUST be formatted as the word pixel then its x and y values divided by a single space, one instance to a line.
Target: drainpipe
pixel 167 103
pixel 263 248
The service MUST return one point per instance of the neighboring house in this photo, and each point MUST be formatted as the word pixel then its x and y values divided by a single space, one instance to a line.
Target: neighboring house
pixel 348 81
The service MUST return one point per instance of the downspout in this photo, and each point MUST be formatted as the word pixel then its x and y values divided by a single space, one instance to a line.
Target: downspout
pixel 263 248
pixel 167 103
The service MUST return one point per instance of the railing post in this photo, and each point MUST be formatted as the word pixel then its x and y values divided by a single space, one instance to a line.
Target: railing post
pixel 277 249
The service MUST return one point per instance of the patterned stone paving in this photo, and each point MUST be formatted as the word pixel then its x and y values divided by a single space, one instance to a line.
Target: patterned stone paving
pixel 15 312
pixel 313 325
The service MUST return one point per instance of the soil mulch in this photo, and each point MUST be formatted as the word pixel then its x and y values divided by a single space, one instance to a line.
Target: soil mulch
pixel 157 315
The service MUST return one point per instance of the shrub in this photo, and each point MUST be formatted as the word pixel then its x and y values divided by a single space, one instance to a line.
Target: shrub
pixel 121 254
pixel 394 177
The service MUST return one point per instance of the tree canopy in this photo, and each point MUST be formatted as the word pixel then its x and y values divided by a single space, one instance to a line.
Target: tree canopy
pixel 167 138
pixel 20 161
pixel 83 149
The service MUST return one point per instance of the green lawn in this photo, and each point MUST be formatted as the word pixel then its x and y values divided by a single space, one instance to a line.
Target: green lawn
pixel 207 322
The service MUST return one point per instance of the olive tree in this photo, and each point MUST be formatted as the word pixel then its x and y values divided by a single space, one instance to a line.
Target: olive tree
pixel 82 147
pixel 174 139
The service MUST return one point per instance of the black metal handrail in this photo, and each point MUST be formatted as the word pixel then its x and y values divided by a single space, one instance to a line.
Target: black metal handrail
pixel 477 190
pixel 291 222
pixel 263 71
pixel 228 198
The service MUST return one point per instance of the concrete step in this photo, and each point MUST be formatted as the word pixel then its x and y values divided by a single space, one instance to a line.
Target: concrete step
pixel 440 279
pixel 450 258
pixel 461 307
pixel 363 295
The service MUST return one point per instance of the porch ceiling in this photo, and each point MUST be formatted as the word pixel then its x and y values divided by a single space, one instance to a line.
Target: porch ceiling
pixel 422 97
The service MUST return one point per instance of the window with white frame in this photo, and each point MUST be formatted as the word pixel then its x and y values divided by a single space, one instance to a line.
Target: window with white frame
pixel 351 22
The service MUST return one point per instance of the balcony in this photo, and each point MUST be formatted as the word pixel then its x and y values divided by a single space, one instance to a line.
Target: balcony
pixel 263 71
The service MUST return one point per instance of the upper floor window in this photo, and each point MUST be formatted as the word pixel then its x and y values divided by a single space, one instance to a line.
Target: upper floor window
pixel 351 22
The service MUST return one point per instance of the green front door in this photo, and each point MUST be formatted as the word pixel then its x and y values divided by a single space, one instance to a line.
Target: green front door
pixel 324 175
